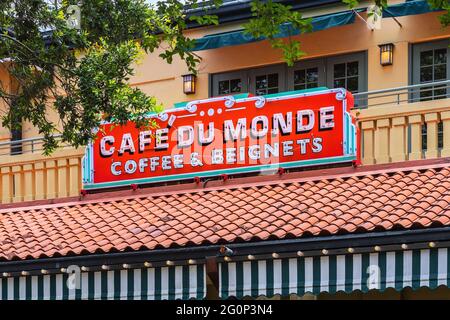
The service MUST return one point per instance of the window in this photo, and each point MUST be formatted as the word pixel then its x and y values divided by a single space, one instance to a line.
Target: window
pixel 306 78
pixel 346 76
pixel 230 86
pixel 440 132
pixel 306 75
pixel 267 80
pixel 431 63
pixel 267 83
pixel 346 71
pixel 229 83
pixel 424 137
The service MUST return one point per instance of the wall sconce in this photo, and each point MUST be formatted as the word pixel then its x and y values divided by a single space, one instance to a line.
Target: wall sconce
pixel 189 83
pixel 386 54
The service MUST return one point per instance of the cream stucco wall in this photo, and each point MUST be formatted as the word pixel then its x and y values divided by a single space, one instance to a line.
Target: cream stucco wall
pixel 164 81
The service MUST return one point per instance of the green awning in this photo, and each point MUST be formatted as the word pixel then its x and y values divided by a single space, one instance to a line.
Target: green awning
pixel 159 283
pixel 319 23
pixel 333 273
pixel 239 37
pixel 407 8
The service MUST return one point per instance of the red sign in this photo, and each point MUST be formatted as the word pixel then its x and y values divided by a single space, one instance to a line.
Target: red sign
pixel 226 135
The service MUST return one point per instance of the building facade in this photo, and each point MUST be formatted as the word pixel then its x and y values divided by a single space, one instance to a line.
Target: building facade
pixel 378 228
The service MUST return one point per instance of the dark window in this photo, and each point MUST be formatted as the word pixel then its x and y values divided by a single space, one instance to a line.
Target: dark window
pixel 424 137
pixel 267 80
pixel 230 86
pixel 16 135
pixel 306 78
pixel 266 84
pixel 346 71
pixel 229 83
pixel 431 63
pixel 440 135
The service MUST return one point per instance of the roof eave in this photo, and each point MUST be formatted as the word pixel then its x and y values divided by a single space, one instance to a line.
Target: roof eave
pixel 311 246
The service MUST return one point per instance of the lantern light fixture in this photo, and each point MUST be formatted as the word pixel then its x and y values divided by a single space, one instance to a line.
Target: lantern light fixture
pixel 189 83
pixel 386 54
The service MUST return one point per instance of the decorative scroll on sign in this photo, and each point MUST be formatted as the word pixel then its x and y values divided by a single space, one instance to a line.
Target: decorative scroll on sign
pixel 225 135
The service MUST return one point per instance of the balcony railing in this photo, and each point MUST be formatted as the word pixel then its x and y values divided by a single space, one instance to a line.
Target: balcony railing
pixel 25 146
pixel 404 123
pixel 406 94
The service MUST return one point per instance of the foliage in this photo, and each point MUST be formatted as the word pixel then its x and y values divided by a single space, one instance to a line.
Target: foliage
pixel 434 4
pixel 268 18
pixel 82 75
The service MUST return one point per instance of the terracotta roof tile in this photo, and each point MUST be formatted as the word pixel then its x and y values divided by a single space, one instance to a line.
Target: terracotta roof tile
pixel 329 205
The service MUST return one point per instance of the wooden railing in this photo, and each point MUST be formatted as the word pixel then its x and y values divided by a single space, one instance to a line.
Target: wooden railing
pixel 28 177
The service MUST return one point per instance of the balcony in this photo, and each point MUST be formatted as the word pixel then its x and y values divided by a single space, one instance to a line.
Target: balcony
pixel 398 124
pixel 32 176
pixel 405 123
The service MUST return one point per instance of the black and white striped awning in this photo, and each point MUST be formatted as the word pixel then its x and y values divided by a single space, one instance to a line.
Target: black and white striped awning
pixel 160 283
pixel 333 273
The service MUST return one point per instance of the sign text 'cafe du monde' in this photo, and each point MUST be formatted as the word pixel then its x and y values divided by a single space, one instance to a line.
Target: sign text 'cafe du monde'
pixel 226 135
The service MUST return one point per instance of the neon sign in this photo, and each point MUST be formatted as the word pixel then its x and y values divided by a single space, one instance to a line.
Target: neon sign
pixel 226 135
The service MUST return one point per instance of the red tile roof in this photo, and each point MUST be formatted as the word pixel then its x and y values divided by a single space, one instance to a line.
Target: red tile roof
pixel 344 200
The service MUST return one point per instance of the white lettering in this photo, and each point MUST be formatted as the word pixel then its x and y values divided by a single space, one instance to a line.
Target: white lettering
pixel 264 126
pixel 106 140
pixel 114 169
pixel 287 148
pixel 165 163
pixel 201 133
pixel 130 166
pixel 144 139
pixel 280 122
pixel 217 156
pixel 309 114
pixel 231 133
pixel 162 138
pixel 326 118
pixel 127 144
pixel 317 145
pixel 185 136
